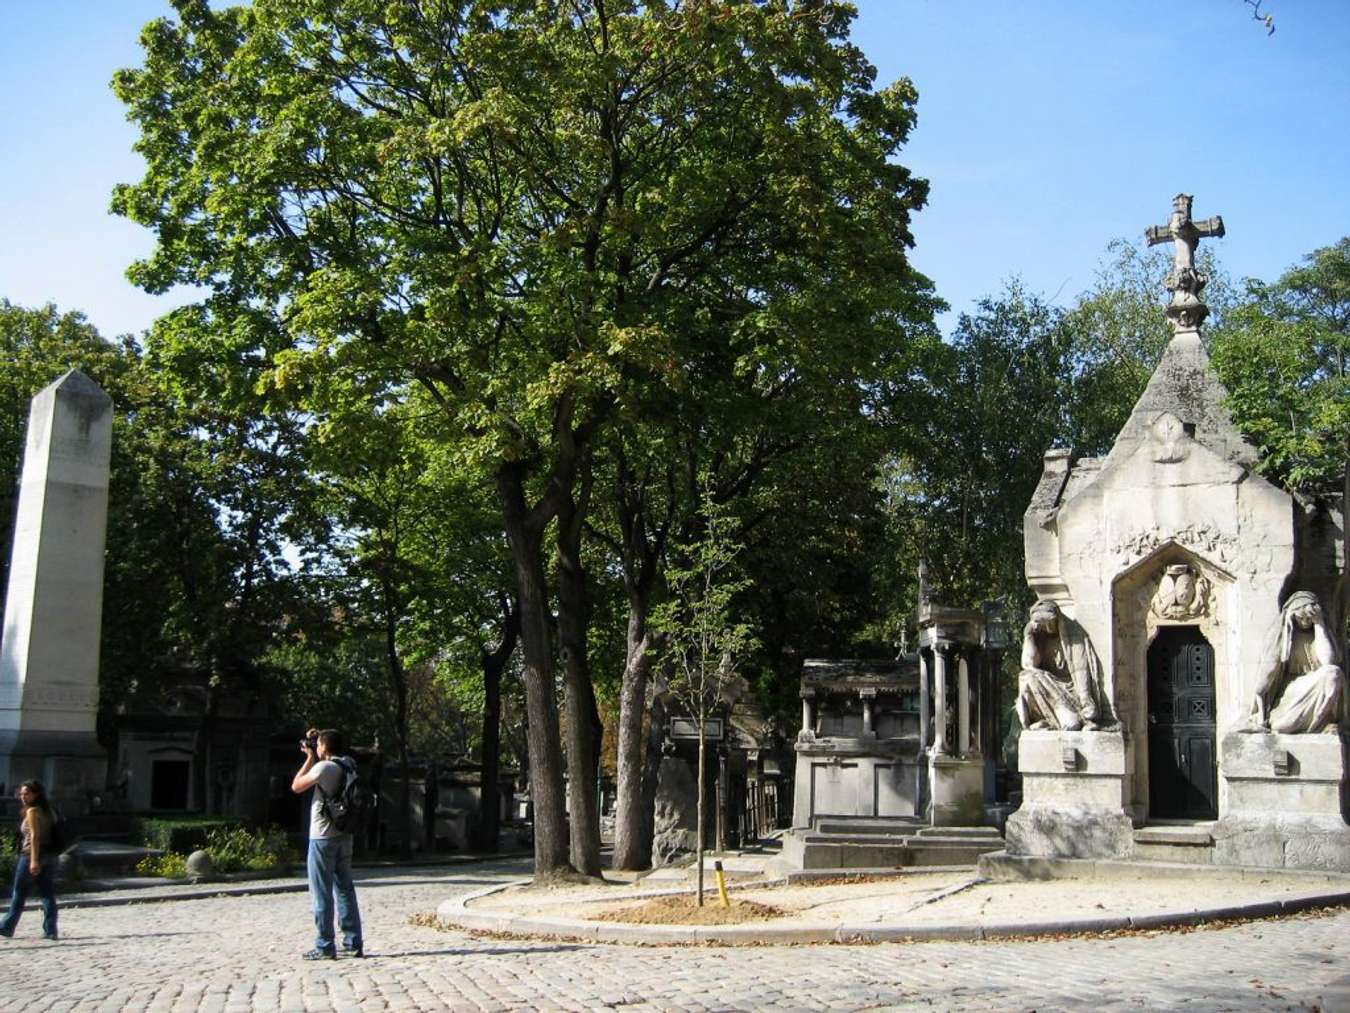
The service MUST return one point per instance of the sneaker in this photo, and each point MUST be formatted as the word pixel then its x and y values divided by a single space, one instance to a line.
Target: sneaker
pixel 50 935
pixel 354 951
pixel 318 954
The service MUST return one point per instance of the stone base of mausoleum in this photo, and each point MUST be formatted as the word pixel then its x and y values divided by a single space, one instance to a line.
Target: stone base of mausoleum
pixel 1074 786
pixel 1284 804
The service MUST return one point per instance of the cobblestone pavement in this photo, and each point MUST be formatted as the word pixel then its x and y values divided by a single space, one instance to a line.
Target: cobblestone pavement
pixel 229 954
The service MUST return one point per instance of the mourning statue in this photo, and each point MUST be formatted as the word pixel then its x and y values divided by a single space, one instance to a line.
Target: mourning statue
pixel 1057 687
pixel 1302 687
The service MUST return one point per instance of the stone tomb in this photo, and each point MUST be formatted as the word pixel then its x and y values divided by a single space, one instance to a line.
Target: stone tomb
pixel 859 752
pixel 1182 690
pixel 880 782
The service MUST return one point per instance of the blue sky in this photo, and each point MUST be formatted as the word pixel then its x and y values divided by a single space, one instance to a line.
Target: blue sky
pixel 1046 129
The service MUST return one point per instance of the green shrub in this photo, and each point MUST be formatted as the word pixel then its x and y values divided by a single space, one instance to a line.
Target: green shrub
pixel 168 865
pixel 9 857
pixel 184 834
pixel 236 849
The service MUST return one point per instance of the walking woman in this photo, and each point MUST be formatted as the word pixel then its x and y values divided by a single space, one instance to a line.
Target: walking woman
pixel 36 865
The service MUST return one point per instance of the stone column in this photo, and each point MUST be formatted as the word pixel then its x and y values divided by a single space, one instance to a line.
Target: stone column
pixel 808 715
pixel 940 697
pixel 924 699
pixel 723 795
pixel 962 706
pixel 868 696
pixel 54 608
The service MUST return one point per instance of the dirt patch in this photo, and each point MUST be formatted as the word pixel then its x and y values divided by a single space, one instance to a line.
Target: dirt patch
pixel 683 909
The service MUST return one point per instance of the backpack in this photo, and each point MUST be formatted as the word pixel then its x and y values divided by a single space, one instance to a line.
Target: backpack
pixel 349 810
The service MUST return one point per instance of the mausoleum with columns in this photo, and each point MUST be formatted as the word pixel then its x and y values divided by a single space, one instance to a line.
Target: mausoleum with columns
pixel 895 759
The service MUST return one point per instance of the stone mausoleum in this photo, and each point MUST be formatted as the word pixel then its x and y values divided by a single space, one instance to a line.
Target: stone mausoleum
pixel 896 759
pixel 1182 687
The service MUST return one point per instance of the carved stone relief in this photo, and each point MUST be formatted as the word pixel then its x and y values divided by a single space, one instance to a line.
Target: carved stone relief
pixel 1183 593
pixel 1202 537
pixel 1169 439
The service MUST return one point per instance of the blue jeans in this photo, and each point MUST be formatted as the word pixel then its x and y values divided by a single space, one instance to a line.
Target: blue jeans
pixel 330 872
pixel 23 882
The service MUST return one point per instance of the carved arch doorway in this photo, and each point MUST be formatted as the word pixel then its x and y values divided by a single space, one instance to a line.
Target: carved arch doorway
pixel 1182 773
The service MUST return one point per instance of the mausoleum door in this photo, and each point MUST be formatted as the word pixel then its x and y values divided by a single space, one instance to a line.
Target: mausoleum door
pixel 1183 782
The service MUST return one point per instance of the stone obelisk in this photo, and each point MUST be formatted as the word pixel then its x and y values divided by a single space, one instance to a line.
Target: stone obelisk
pixel 53 612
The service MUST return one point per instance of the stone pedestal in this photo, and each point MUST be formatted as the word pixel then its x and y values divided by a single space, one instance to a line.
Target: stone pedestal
pixel 1286 807
pixel 957 785
pixel 53 612
pixel 1074 789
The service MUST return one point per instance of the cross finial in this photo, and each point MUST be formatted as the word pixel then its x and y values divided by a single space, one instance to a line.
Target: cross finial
pixel 1186 311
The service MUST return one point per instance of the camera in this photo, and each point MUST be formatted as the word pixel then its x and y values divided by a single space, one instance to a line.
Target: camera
pixel 310 743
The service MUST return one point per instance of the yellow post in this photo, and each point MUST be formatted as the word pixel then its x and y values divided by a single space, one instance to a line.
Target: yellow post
pixel 722 885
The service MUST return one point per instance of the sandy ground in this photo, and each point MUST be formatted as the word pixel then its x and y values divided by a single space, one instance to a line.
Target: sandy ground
pixel 918 898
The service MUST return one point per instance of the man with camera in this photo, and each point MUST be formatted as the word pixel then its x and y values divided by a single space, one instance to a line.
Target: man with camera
pixel 330 850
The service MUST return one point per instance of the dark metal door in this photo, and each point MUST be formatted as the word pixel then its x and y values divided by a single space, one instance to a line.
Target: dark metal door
pixel 1182 775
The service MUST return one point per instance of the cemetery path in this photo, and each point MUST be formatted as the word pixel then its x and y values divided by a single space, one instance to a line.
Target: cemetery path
pixel 227 954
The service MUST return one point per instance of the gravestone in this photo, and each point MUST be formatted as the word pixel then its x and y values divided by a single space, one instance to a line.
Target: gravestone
pixel 50 649
pixel 1181 690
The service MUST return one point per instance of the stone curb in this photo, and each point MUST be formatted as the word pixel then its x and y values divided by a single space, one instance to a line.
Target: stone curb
pixel 456 912
pixel 253 887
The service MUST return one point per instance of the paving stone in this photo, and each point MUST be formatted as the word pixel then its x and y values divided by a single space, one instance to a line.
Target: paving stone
pixel 191 955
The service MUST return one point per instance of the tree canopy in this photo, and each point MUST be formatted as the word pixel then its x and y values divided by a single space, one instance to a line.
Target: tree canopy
pixel 546 217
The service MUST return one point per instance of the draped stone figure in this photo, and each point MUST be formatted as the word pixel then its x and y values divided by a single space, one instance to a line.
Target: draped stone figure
pixel 1302 688
pixel 1058 685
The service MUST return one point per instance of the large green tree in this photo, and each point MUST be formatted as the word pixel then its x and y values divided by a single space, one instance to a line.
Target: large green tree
pixel 534 211
pixel 1284 355
pixel 997 395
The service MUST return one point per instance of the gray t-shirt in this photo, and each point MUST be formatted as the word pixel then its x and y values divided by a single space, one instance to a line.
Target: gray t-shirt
pixel 331 778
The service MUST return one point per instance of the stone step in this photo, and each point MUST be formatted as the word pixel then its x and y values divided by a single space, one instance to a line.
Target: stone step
pixel 1180 834
pixel 989 844
pixel 965 833
pixel 957 835
pixel 888 840
pixel 1182 854
pixel 867 825
pixel 835 854
pixel 1184 843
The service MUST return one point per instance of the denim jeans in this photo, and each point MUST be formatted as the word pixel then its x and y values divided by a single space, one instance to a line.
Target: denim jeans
pixel 23 882
pixel 330 872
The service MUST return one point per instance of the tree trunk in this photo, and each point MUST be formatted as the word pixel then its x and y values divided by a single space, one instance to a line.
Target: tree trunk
pixel 698 846
pixel 490 795
pixel 525 534
pixel 205 750
pixel 582 741
pixel 641 550
pixel 651 771
pixel 400 687
pixel 633 833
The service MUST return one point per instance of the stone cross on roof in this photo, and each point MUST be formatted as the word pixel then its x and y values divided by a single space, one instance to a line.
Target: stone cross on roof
pixel 1186 311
